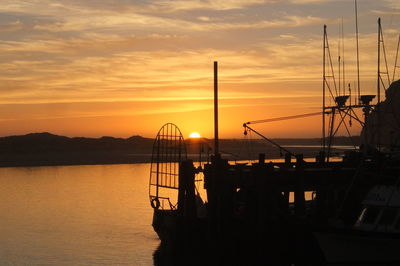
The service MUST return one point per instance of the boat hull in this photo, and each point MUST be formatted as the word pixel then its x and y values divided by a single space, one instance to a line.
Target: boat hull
pixel 165 224
pixel 352 246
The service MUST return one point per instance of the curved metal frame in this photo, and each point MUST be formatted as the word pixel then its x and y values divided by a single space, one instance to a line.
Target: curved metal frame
pixel 168 151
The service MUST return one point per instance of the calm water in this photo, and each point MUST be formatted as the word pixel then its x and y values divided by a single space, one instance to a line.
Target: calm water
pixel 76 215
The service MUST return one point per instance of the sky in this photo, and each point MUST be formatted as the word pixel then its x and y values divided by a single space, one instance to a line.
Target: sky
pixel 122 68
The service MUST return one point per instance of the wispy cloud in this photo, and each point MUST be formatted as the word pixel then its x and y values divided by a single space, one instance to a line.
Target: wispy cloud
pixel 11 26
pixel 392 4
pixel 386 12
pixel 313 1
pixel 106 58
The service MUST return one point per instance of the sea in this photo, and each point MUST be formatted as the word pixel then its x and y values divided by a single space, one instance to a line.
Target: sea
pixel 76 215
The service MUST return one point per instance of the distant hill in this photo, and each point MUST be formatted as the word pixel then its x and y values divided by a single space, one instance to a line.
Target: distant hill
pixel 49 149
pixel 47 142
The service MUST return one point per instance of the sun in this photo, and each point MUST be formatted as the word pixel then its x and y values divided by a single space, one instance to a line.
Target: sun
pixel 194 135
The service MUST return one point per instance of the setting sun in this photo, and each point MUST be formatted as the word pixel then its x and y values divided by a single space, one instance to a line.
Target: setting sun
pixel 194 135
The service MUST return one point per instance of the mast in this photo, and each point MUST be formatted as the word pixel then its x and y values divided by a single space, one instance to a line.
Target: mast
pixel 323 92
pixel 339 62
pixel 216 140
pixel 358 56
pixel 344 75
pixel 379 61
pixel 379 85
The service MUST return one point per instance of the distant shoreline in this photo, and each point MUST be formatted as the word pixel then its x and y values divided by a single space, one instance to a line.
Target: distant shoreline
pixel 136 159
pixel 45 149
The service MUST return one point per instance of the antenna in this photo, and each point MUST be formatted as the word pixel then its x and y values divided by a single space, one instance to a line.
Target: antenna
pixel 339 60
pixel 358 56
pixel 344 75
pixel 342 80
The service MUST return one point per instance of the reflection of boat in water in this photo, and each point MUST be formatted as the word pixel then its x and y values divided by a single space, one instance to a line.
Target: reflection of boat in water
pixel 375 236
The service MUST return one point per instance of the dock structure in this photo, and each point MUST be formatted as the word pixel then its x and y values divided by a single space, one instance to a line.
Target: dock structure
pixel 267 211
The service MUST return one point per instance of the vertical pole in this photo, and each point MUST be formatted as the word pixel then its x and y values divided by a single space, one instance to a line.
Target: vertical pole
pixel 216 140
pixel 339 62
pixel 358 57
pixel 379 84
pixel 350 94
pixel 379 61
pixel 158 165
pixel 323 92
pixel 299 200
pixel 331 133
pixel 181 188
pixel 343 70
pixel 340 82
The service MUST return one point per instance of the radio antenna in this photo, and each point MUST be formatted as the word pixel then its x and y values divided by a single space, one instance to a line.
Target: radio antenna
pixel 339 59
pixel 344 75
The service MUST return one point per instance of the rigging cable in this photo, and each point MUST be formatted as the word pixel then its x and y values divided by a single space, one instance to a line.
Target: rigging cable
pixel 282 118
pixel 395 61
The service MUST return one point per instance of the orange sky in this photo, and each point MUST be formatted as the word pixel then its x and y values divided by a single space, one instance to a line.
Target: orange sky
pixel 95 68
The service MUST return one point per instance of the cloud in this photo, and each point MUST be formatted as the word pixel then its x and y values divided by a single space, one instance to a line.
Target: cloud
pixel 12 26
pixel 313 1
pixel 119 23
pixel 211 4
pixel 392 4
pixel 72 73
pixel 386 12
pixel 156 56
pixel 283 22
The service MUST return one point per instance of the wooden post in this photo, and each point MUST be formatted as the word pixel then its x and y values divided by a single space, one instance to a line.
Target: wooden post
pixel 186 192
pixel 299 201
pixel 288 160
pixel 261 158
pixel 181 189
pixel 263 194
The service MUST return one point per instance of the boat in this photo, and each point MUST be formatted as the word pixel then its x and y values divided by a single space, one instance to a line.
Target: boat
pixel 258 212
pixel 172 187
pixel 374 237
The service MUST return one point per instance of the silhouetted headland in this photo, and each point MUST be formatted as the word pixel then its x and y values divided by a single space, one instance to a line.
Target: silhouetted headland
pixel 46 149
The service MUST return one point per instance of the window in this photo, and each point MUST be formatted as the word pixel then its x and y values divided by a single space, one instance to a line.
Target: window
pixel 369 215
pixel 397 225
pixel 388 216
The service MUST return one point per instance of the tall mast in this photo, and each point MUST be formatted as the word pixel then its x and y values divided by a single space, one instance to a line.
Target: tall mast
pixel 323 91
pixel 344 75
pixel 339 60
pixel 379 61
pixel 358 56
pixel 216 140
pixel 379 84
